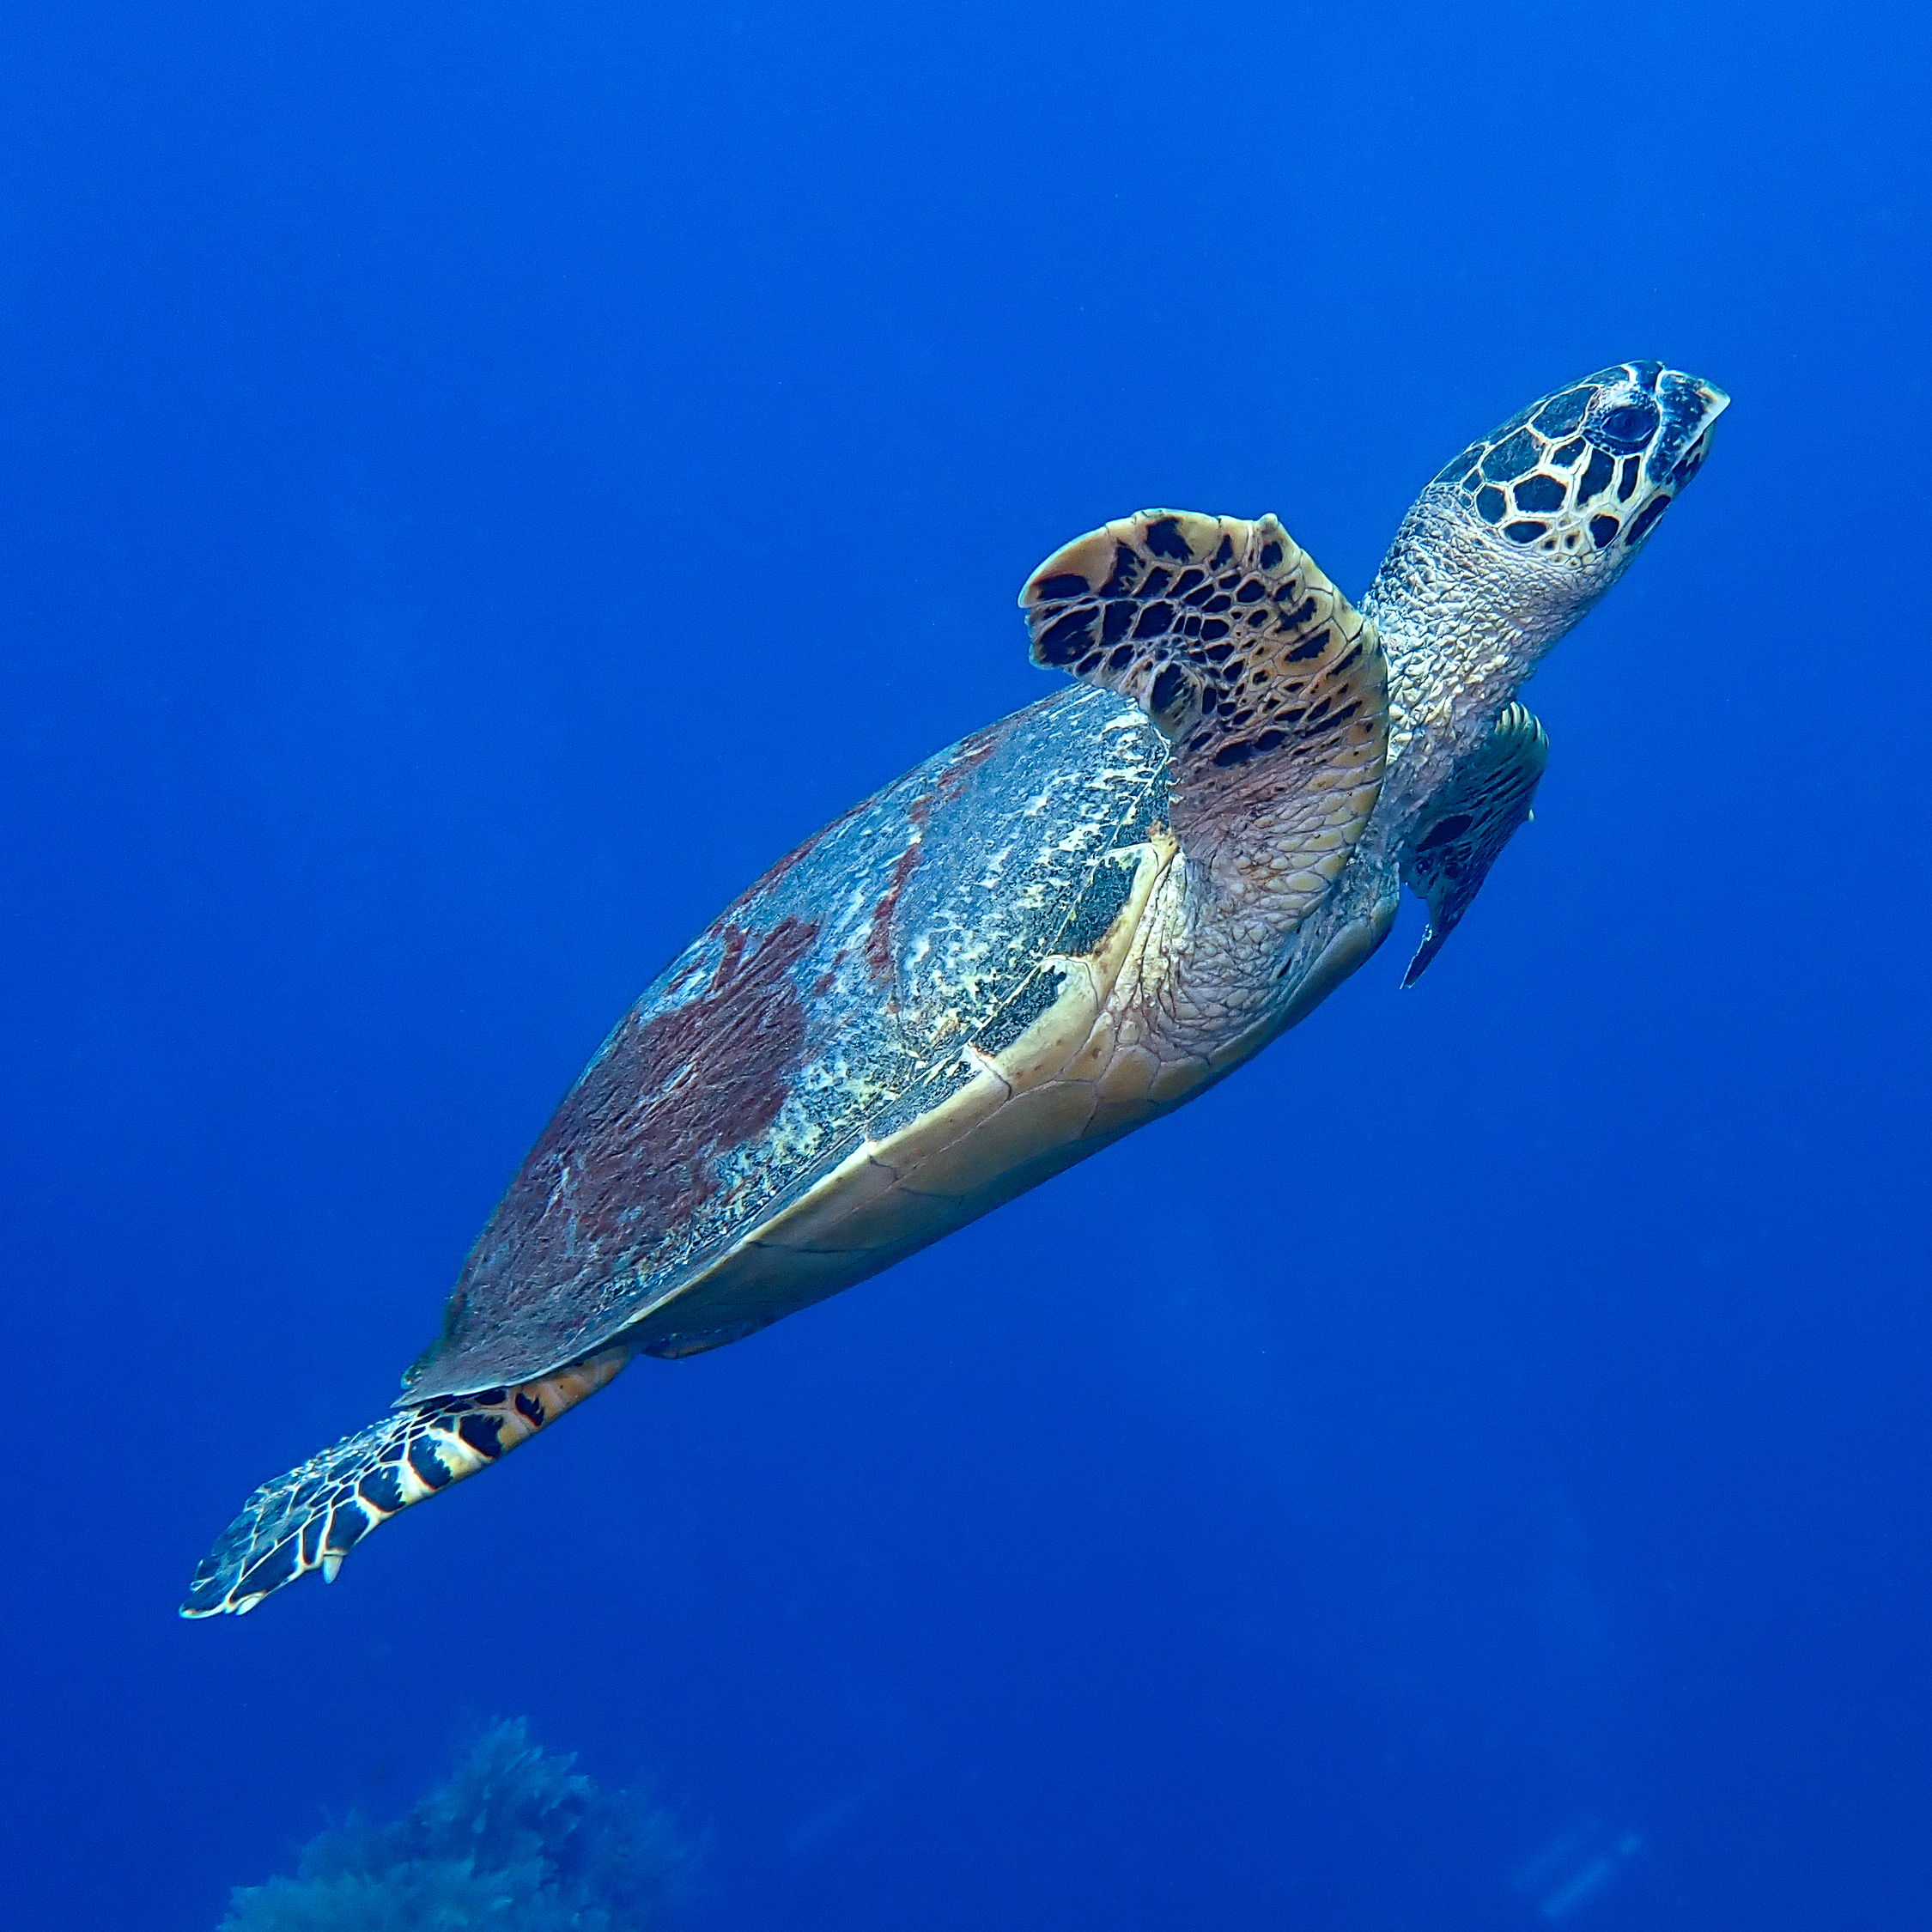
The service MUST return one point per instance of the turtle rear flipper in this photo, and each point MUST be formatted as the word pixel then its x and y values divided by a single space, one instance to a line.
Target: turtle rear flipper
pixel 311 1518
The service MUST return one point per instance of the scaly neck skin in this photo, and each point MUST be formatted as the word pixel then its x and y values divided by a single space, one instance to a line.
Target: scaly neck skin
pixel 1203 983
pixel 1464 621
pixel 1245 866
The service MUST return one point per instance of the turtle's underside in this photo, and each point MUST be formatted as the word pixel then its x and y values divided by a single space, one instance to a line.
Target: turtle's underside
pixel 1062 926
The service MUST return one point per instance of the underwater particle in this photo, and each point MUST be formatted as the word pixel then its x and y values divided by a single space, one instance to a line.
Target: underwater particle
pixel 513 1837
pixel 1575 1869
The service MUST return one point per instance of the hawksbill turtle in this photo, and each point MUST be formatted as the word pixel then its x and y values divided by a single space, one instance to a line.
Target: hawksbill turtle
pixel 1059 928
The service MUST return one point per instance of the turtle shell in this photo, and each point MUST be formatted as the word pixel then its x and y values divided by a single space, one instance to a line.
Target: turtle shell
pixel 736 1148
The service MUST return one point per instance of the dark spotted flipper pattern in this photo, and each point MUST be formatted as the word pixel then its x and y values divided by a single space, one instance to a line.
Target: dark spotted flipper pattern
pixel 1468 821
pixel 312 1518
pixel 1225 632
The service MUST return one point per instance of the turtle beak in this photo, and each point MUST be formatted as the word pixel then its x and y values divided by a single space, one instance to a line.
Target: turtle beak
pixel 1689 397
pixel 1692 407
pixel 1689 400
pixel 1715 400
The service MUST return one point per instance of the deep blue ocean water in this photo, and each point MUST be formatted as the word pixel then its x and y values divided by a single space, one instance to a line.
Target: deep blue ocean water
pixel 478 483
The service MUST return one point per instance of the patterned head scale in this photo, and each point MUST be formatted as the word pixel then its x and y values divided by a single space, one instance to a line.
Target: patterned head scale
pixel 1584 475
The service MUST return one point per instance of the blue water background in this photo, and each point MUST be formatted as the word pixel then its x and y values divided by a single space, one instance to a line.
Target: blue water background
pixel 477 483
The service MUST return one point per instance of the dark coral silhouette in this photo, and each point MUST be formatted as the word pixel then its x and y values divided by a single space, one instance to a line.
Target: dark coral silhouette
pixel 514 1840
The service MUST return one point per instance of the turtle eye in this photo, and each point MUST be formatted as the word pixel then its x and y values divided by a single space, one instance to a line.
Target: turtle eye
pixel 1626 425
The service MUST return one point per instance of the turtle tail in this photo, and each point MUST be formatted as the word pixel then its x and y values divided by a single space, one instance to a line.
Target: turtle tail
pixel 311 1518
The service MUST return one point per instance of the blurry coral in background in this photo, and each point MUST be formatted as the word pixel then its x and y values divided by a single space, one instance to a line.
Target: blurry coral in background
pixel 513 1839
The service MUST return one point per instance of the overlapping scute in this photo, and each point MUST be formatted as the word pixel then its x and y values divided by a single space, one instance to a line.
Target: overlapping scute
pixel 831 1002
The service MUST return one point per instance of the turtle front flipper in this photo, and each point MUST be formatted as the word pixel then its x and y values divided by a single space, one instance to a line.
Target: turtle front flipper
pixel 312 1518
pixel 1466 825
pixel 1270 687
pixel 1271 691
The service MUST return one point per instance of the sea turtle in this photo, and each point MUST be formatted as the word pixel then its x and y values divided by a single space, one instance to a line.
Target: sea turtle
pixel 1059 928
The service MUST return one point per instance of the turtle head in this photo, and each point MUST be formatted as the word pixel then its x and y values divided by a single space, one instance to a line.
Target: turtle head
pixel 1517 537
pixel 1570 488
